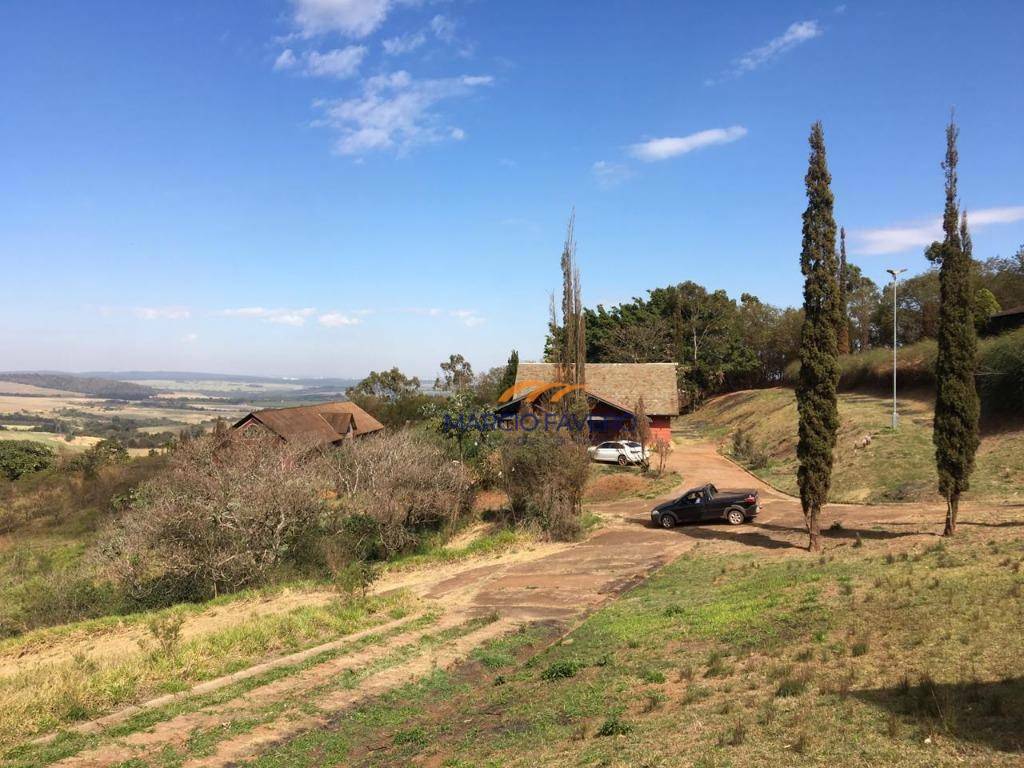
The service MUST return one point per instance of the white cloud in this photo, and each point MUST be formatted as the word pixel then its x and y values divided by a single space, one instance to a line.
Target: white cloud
pixel 609 174
pixel 337 320
pixel 190 338
pixel 162 313
pixel 340 62
pixel 671 146
pixel 797 33
pixel 355 18
pixel 876 242
pixel 294 317
pixel 468 317
pixel 444 28
pixel 395 111
pixel 396 46
pixel 287 60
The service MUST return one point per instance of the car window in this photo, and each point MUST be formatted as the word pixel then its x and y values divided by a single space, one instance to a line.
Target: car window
pixel 632 444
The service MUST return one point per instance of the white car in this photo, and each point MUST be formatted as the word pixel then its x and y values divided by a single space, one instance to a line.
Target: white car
pixel 621 452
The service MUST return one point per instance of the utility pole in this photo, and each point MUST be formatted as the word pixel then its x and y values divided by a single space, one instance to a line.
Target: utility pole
pixel 895 276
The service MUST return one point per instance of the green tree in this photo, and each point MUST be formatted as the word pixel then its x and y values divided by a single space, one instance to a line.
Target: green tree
pixel 456 375
pixel 955 432
pixel 985 305
pixel 863 299
pixel 843 329
pixel 22 457
pixel 511 369
pixel 386 385
pixel 819 365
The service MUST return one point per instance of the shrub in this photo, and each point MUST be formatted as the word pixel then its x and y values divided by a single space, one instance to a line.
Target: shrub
pixel 613 726
pixel 562 669
pixel 746 452
pixel 392 489
pixel 223 516
pixel 22 457
pixel 543 473
pixel 1001 372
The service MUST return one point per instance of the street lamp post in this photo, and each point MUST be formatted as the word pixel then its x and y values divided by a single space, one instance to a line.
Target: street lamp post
pixel 895 276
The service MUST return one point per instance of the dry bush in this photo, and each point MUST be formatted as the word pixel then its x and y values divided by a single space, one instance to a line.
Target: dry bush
pixel 544 473
pixel 661 447
pixel 224 515
pixel 391 489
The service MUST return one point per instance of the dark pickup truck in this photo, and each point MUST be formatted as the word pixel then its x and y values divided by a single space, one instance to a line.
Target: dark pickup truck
pixel 707 504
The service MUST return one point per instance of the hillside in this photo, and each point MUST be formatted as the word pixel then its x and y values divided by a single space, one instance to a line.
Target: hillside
pixel 892 467
pixel 83 385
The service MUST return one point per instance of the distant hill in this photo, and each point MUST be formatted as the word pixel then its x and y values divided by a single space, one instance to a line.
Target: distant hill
pixel 109 389
pixel 325 382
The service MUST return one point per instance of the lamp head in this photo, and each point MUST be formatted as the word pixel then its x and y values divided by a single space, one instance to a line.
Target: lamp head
pixel 895 272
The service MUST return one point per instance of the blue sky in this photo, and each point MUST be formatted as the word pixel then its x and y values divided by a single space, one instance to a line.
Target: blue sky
pixel 322 187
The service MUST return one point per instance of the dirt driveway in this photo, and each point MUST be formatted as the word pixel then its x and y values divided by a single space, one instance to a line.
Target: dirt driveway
pixel 555 583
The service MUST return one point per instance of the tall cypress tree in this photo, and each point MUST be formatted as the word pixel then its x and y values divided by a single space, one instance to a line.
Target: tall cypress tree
pixel 843 330
pixel 955 431
pixel 508 378
pixel 819 365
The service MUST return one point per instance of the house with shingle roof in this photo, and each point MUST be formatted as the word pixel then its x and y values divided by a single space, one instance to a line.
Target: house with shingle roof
pixel 320 424
pixel 613 391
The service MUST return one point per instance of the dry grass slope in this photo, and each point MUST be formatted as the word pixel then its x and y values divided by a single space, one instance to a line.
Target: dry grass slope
pixel 893 466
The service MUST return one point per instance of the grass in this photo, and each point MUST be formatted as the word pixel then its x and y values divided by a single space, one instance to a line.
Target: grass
pixel 48 696
pixel 894 466
pixel 932 680
pixel 436 552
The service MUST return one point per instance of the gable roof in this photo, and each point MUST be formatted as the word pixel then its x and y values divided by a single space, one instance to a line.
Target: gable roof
pixel 320 423
pixel 621 384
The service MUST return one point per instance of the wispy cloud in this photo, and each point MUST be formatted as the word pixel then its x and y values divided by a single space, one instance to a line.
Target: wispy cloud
pixel 877 242
pixel 396 46
pixel 672 146
pixel 338 319
pixel 286 60
pixel 468 317
pixel 162 313
pixel 608 174
pixel 396 111
pixel 797 33
pixel 355 18
pixel 190 338
pixel 293 317
pixel 340 63
pixel 444 28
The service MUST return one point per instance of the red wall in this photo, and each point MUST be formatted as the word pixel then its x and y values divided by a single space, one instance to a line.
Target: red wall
pixel 661 426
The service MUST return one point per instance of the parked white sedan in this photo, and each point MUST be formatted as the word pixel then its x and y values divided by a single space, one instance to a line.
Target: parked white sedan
pixel 621 452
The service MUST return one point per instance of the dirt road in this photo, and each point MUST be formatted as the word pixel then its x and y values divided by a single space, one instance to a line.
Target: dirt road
pixel 555 583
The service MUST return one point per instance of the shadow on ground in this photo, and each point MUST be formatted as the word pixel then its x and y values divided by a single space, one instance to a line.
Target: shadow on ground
pixel 760 535
pixel 991 714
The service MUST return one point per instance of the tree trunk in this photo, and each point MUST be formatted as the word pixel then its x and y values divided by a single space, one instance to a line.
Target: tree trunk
pixel 952 507
pixel 813 529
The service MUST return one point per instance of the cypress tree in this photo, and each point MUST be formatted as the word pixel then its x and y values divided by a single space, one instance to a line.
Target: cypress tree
pixel 508 378
pixel 955 432
pixel 819 366
pixel 843 330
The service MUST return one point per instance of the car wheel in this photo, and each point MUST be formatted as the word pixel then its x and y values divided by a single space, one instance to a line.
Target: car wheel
pixel 735 517
pixel 667 521
pixel 622 460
